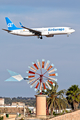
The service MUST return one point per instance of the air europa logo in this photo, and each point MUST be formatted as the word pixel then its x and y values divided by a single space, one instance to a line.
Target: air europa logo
pixel 56 29
pixel 10 25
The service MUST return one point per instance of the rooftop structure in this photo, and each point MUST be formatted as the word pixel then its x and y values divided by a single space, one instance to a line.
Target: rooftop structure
pixel 1 101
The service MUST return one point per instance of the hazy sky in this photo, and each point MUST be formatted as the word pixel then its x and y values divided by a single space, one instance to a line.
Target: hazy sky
pixel 17 53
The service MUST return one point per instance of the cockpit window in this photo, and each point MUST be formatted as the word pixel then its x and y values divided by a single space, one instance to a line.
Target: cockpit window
pixel 70 28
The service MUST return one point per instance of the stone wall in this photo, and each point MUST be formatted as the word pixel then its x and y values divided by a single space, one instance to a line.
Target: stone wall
pixel 69 116
pixel 11 110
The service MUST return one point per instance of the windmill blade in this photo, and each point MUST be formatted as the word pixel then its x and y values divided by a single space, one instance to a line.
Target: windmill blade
pixel 53 70
pixel 30 76
pixel 52 78
pixel 48 85
pixel 35 65
pixel 14 76
pixel 55 74
pixel 32 68
pixel 39 64
pixel 31 72
pixel 47 64
pixel 50 67
pixel 43 62
pixel 50 82
pixel 33 83
pixel 31 80
pixel 36 86
pixel 44 87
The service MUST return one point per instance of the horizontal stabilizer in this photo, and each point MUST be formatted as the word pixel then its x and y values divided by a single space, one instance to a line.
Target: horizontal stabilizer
pixel 6 30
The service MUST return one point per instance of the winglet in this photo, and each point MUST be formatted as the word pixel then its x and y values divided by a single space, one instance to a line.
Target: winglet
pixel 20 24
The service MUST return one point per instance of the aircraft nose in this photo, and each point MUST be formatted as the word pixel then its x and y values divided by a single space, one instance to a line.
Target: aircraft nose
pixel 73 30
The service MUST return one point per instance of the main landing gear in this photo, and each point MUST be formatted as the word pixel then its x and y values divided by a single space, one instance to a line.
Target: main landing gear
pixel 40 37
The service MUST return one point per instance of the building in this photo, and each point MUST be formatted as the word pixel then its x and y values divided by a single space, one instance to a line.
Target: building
pixel 18 104
pixel 1 101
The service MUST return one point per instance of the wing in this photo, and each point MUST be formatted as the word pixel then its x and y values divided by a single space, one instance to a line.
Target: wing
pixel 38 33
pixel 49 35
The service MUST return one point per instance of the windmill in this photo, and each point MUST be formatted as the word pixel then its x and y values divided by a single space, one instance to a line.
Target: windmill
pixel 40 75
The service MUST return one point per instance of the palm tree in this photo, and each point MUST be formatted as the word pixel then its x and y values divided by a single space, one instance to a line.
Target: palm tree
pixel 56 99
pixel 73 96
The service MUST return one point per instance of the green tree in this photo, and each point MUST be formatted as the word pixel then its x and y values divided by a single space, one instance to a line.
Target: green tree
pixel 56 99
pixel 73 96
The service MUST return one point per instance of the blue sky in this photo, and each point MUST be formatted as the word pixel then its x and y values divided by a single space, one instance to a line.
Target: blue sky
pixel 17 52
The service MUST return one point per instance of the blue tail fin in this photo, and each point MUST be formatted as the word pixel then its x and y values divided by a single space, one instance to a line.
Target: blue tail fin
pixel 10 25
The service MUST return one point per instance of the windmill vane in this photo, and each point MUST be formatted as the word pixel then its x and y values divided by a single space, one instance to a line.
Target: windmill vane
pixel 41 75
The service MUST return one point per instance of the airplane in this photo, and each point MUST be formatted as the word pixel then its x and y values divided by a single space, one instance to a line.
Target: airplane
pixel 39 32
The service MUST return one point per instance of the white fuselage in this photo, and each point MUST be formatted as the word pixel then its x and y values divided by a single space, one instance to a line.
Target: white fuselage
pixel 48 32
